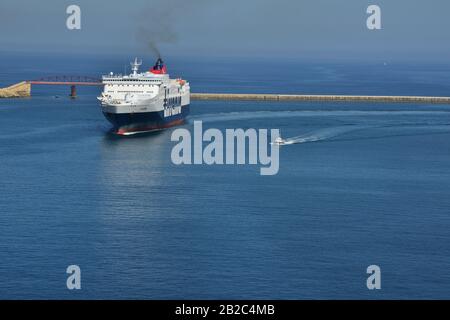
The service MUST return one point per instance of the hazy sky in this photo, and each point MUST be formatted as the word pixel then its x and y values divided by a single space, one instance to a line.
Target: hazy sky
pixel 287 28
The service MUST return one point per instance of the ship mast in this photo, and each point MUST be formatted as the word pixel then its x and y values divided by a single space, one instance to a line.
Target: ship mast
pixel 135 66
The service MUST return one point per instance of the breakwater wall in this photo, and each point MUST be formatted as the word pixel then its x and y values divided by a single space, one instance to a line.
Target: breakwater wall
pixel 19 90
pixel 23 89
pixel 295 97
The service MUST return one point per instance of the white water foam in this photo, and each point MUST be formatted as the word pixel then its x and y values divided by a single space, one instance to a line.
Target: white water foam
pixel 324 134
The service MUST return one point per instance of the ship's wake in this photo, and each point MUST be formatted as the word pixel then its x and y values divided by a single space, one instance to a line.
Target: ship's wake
pixel 367 133
pixel 324 134
pixel 254 115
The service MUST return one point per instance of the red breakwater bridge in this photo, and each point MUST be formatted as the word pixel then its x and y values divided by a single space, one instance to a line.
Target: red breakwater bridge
pixel 71 81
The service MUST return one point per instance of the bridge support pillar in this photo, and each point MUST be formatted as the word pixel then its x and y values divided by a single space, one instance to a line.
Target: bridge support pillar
pixel 73 92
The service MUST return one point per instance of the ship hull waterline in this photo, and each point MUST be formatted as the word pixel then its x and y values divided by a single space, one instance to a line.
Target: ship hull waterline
pixel 143 122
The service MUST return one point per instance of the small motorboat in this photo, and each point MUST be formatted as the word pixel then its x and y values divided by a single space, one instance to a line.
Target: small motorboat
pixel 279 141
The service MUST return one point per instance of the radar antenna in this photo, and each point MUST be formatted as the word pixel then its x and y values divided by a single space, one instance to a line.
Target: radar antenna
pixel 135 66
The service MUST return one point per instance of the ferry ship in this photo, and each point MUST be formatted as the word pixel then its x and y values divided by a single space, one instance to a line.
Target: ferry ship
pixel 144 102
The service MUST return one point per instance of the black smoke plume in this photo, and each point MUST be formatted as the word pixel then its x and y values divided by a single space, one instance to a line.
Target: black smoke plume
pixel 157 22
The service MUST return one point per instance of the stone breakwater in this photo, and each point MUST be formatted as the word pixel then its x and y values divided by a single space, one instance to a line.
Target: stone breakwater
pixel 23 89
pixel 294 97
pixel 19 90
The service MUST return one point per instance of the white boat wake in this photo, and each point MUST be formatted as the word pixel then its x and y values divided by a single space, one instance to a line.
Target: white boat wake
pixel 368 120
pixel 252 115
pixel 323 134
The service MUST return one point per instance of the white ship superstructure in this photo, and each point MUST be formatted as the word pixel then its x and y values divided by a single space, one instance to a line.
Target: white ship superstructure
pixel 147 101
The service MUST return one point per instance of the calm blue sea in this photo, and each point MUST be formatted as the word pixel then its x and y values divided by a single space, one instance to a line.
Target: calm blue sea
pixel 374 188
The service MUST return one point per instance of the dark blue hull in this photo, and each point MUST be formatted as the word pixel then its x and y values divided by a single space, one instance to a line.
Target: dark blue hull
pixel 129 123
